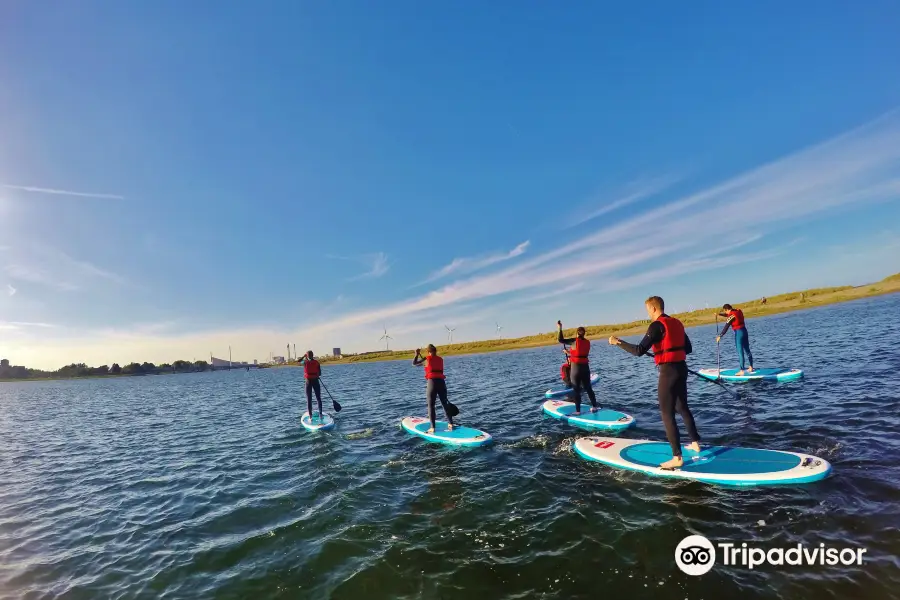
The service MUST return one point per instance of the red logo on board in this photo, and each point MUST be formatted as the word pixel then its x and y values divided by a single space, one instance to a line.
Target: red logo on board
pixel 604 445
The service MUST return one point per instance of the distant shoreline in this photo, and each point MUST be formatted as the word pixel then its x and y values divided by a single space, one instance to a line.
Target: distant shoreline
pixel 782 303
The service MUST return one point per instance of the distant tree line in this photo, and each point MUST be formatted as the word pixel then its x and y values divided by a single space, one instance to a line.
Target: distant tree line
pixel 82 370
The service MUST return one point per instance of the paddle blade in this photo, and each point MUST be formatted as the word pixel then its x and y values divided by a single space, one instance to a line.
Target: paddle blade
pixel 452 411
pixel 337 407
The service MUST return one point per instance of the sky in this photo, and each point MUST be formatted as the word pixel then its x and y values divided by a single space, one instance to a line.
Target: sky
pixel 181 177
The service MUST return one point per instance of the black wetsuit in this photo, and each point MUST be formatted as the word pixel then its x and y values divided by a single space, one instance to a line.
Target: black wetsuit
pixel 580 376
pixel 434 389
pixel 672 388
pixel 312 385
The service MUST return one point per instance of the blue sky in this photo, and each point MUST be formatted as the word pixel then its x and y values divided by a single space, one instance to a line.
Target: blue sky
pixel 181 177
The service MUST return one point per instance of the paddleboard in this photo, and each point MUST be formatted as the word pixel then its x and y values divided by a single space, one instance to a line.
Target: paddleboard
pixel 595 377
pixel 605 418
pixel 713 464
pixel 756 375
pixel 460 436
pixel 318 423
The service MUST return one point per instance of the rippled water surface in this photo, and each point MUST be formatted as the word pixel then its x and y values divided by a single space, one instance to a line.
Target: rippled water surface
pixel 206 485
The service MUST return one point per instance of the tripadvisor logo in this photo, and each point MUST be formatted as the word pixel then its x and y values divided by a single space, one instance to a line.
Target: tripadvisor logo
pixel 696 555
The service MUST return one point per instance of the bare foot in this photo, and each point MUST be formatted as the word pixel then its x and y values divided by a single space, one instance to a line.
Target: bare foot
pixel 429 430
pixel 450 426
pixel 739 373
pixel 595 409
pixel 675 463
pixel 694 446
pixel 750 370
pixel 577 413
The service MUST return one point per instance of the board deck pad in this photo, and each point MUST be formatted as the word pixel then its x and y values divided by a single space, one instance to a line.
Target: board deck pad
pixel 318 423
pixel 595 377
pixel 757 375
pixel 605 418
pixel 713 464
pixel 460 436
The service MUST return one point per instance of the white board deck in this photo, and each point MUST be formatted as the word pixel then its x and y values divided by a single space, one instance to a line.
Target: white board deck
pixel 595 377
pixel 605 418
pixel 317 423
pixel 459 436
pixel 731 375
pixel 713 464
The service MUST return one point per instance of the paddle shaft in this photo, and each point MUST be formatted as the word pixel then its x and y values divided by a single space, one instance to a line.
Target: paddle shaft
pixel 337 407
pixel 718 362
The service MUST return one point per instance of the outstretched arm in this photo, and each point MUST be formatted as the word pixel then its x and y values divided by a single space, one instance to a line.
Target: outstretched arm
pixel 418 359
pixel 655 334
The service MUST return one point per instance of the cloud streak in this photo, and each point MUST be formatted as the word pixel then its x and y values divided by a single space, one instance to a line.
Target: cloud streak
pixel 10 290
pixel 377 264
pixel 634 192
pixel 473 264
pixel 685 236
pixel 42 190
pixel 861 166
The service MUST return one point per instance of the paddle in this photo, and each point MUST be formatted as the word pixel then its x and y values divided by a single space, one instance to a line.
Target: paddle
pixel 337 407
pixel 718 337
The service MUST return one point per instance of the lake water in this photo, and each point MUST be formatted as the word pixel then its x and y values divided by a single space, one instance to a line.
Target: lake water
pixel 206 485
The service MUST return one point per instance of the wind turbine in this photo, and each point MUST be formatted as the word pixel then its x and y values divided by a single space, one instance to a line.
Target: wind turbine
pixel 386 339
pixel 499 329
pixel 450 331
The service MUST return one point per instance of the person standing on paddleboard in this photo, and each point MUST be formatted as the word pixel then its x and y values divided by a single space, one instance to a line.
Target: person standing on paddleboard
pixel 436 385
pixel 735 318
pixel 671 345
pixel 312 370
pixel 581 368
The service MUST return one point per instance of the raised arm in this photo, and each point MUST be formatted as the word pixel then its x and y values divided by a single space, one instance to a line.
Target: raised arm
pixel 418 359
pixel 559 335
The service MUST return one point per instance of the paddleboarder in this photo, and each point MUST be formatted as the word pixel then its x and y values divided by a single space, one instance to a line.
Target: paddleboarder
pixel 436 385
pixel 735 318
pixel 671 345
pixel 565 371
pixel 580 374
pixel 312 370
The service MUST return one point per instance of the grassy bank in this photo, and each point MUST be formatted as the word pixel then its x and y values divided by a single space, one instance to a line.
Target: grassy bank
pixel 782 303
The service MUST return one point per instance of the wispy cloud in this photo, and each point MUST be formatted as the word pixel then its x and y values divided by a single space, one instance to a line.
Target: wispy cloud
pixel 10 290
pixel 49 267
pixel 377 264
pixel 862 166
pixel 633 192
pixel 472 264
pixel 684 236
pixel 42 190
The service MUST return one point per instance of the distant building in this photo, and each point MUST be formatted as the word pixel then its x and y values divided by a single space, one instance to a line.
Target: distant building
pixel 278 360
pixel 255 362
pixel 336 352
pixel 221 363
pixel 4 363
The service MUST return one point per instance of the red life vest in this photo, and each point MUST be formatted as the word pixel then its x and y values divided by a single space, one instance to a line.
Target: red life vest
pixel 434 367
pixel 738 315
pixel 311 369
pixel 580 350
pixel 671 348
pixel 564 371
